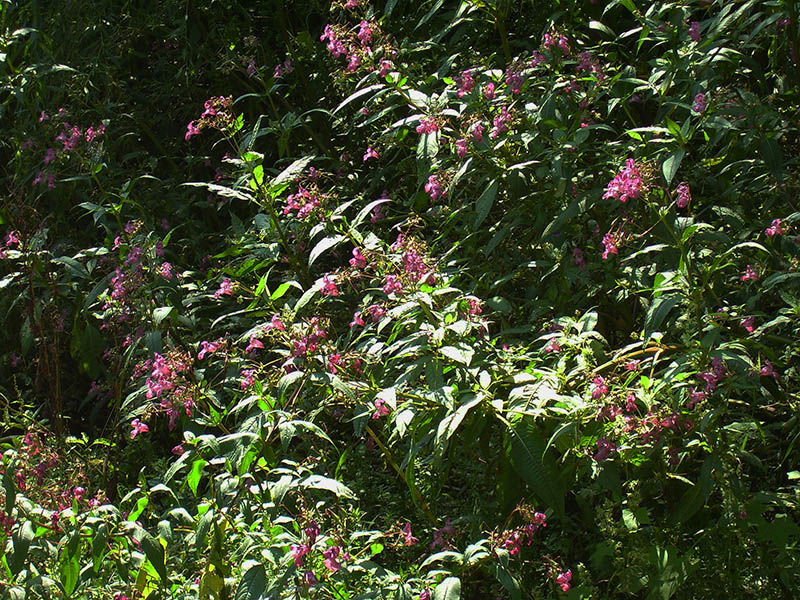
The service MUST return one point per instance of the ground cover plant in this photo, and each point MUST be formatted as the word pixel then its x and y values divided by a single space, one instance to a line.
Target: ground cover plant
pixel 408 300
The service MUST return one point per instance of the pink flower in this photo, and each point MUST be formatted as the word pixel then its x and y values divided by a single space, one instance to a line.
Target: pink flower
pixel 465 83
pixel 684 195
pixel 208 348
pixel 178 450
pixel 298 552
pixel 370 153
pixel 254 344
pixel 276 323
pixel 364 33
pixel 329 287
pixel 563 43
pixel 12 239
pixel 225 288
pixel 392 286
pixel 749 275
pixel 749 324
pixel 357 320
pixel 600 388
pixel 358 261
pixel 331 555
pixel 376 312
pixel 385 67
pixel 578 258
pixel 626 184
pixel 488 91
pixel 248 378
pixel 49 156
pixel 409 539
pixel 166 271
pixel 427 125
pixel 767 370
pixel 609 245
pixel 425 595
pixel 604 449
pixel 776 228
pixel 699 103
pixel 694 31
pixel 434 188
pixel 538 59
pixel 500 123
pixel 477 132
pixel 461 147
pixel 191 130
pixel 552 346
pixel 138 427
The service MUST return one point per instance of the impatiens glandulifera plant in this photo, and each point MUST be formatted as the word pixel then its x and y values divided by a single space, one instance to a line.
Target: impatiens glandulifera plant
pixel 400 300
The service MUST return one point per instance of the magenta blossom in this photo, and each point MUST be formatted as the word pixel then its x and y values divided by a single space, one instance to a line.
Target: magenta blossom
pixel 138 427
pixel 626 184
pixel 775 228
pixel 750 274
pixel 370 153
pixel 684 195
pixel 699 103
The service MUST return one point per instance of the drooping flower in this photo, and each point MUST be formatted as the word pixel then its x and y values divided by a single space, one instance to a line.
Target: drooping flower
pixel 370 153
pixel 392 285
pixel 461 147
pixel 465 82
pixel 208 348
pixel 329 287
pixel 427 125
pixel 248 379
pixel 331 555
pixel 699 103
pixel 434 188
pixel 191 130
pixel 626 184
pixel 298 552
pixel 599 388
pixel 408 537
pixel 604 449
pixel 477 132
pixel 225 288
pixel 775 228
pixel 767 370
pixel 488 91
pixel 684 195
pixel 358 261
pixel 749 324
pixel 750 274
pixel 694 30
pixel 138 427
pixel 609 245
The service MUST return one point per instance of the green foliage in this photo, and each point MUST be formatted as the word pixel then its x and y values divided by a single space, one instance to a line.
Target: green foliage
pixel 399 300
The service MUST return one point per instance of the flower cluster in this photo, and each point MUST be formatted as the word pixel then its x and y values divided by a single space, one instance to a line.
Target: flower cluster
pixel 627 184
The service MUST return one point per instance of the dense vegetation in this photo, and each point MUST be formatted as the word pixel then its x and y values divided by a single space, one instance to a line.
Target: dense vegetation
pixel 390 299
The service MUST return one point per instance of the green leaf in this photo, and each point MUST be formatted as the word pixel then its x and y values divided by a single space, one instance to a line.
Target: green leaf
pixel 484 204
pixel 462 354
pixel 161 313
pixel 283 288
pixel 670 166
pixel 537 469
pixel 658 311
pixel 253 584
pixel 449 589
pixel 196 472
pixel 291 172
pixel 319 482
pixel 323 245
pixel 154 552
pixel 20 544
